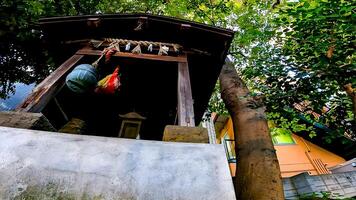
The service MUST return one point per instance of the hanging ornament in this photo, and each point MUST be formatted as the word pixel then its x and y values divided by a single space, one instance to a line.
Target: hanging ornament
pixel 110 84
pixel 117 47
pixel 150 48
pixel 96 43
pixel 128 46
pixel 109 54
pixel 83 78
pixel 175 48
pixel 163 50
pixel 137 49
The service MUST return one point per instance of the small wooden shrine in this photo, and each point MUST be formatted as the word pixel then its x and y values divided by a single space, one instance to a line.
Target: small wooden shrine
pixel 168 69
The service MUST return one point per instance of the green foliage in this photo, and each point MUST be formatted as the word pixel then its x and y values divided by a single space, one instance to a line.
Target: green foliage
pixel 284 124
pixel 323 196
pixel 216 104
pixel 19 35
pixel 305 55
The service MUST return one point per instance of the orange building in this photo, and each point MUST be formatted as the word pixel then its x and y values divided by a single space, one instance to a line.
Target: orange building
pixel 295 154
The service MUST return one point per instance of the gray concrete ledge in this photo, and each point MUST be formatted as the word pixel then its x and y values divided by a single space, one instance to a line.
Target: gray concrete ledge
pixel 47 165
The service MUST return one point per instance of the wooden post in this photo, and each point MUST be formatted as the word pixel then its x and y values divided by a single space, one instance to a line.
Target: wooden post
pixel 185 100
pixel 43 93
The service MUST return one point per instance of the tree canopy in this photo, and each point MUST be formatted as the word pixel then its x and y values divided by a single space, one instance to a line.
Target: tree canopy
pixel 304 66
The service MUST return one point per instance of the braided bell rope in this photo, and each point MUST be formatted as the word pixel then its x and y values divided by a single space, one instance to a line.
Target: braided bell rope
pixel 115 42
pixel 175 47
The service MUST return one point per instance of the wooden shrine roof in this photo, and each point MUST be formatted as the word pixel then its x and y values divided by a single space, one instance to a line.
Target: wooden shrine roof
pixel 206 46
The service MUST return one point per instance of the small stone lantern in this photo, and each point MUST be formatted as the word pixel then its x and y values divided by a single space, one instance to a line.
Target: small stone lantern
pixel 131 125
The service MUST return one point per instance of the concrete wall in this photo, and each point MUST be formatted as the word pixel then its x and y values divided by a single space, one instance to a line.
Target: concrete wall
pixel 47 165
pixel 339 185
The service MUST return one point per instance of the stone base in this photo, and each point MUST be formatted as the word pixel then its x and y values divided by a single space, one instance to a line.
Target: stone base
pixel 74 126
pixel 185 134
pixel 35 121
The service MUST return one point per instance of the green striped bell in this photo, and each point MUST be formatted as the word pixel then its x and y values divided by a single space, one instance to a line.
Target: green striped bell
pixel 82 79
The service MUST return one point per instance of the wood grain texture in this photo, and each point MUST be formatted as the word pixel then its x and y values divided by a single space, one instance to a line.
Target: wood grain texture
pixel 43 93
pixel 185 100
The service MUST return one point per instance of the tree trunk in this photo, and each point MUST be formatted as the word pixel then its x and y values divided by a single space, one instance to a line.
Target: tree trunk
pixel 258 174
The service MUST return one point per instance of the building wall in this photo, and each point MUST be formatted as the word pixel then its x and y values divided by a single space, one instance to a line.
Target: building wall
pixel 303 156
pixel 227 128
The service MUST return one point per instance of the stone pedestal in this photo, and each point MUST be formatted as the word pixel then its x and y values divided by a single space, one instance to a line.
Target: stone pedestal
pixel 26 120
pixel 185 134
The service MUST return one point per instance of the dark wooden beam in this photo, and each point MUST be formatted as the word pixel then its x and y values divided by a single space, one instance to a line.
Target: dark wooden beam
pixel 47 89
pixel 185 101
pixel 133 55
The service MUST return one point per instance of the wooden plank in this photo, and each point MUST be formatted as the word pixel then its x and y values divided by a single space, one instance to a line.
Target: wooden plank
pixel 133 55
pixel 185 100
pixel 43 93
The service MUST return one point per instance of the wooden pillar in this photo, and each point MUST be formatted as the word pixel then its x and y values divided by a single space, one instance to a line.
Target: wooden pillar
pixel 185 110
pixel 43 93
